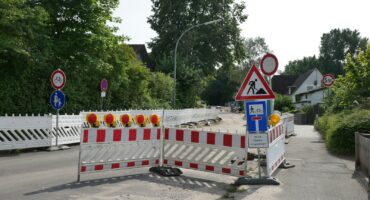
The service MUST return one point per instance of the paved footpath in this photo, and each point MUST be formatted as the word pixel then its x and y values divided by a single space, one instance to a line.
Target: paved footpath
pixel 318 175
pixel 52 175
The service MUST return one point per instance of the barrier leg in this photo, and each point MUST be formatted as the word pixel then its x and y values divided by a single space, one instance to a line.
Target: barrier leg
pixel 162 170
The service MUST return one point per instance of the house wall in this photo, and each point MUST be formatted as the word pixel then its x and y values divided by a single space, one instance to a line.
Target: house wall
pixel 316 97
pixel 314 76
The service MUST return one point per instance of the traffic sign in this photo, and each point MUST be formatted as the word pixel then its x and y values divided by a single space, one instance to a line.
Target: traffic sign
pixel 104 85
pixel 269 64
pixel 254 87
pixel 256 115
pixel 328 80
pixel 58 79
pixel 57 99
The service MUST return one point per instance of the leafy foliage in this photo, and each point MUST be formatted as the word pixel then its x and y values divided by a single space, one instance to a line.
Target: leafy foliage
pixel 334 47
pixel 354 88
pixel 36 37
pixel 297 67
pixel 339 129
pixel 283 103
pixel 203 49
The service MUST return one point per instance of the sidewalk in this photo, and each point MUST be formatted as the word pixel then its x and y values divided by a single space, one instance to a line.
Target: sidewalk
pixel 317 175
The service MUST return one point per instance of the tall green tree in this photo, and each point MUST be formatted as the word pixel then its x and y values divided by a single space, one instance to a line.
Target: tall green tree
pixel 25 48
pixel 203 49
pixel 334 47
pixel 37 37
pixel 297 67
pixel 353 88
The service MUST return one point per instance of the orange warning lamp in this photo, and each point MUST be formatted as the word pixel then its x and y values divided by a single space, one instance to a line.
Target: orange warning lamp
pixel 93 120
pixel 110 120
pixel 126 120
pixel 155 120
pixel 274 119
pixel 140 120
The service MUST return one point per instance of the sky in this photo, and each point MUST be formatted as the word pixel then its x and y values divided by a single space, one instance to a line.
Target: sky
pixel 291 28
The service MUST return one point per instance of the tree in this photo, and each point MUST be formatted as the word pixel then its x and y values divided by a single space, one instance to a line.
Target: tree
pixel 255 49
pixel 354 87
pixel 202 50
pixel 334 47
pixel 297 67
pixel 283 103
pixel 37 37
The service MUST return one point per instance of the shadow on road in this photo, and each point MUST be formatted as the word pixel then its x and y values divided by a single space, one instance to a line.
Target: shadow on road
pixel 183 181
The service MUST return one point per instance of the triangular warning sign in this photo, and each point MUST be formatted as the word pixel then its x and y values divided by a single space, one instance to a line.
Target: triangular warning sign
pixel 254 87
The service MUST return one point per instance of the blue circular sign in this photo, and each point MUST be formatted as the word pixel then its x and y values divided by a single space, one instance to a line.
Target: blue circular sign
pixel 57 99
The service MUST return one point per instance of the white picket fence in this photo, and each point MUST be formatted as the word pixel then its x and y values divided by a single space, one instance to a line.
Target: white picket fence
pixel 20 132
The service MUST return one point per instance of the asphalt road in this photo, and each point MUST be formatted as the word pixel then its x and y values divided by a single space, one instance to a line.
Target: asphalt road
pixel 52 175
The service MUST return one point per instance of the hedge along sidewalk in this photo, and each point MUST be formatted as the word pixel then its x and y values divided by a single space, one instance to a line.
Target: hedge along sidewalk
pixel 338 129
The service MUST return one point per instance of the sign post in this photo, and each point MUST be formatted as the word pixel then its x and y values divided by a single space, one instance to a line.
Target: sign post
pixel 57 98
pixel 269 65
pixel 103 89
pixel 255 91
pixel 328 80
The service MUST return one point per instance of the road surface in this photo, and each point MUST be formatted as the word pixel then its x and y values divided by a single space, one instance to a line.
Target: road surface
pixel 52 175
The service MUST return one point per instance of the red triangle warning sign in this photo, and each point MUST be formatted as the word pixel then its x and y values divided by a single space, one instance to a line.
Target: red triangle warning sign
pixel 254 87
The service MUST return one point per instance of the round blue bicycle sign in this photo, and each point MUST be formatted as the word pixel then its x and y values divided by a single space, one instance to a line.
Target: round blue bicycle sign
pixel 57 99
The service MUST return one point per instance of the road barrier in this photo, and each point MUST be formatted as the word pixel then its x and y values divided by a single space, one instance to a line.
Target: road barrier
pixel 288 124
pixel 104 149
pixel 215 152
pixel 362 148
pixel 275 154
pixel 69 129
pixel 19 132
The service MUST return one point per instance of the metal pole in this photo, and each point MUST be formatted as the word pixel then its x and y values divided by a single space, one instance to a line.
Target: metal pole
pixel 175 56
pixel 246 145
pixel 101 103
pixel 57 129
pixel 258 151
pixel 79 157
pixel 162 141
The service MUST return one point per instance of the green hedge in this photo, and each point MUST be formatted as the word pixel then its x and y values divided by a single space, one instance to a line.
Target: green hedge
pixel 338 130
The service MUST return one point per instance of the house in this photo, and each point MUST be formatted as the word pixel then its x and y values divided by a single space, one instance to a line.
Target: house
pixel 305 89
pixel 142 54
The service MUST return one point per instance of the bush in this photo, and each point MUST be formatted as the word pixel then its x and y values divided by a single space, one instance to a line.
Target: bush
pixel 339 129
pixel 283 103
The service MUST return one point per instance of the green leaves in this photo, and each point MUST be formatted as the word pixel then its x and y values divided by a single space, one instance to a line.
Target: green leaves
pixel 203 50
pixel 352 89
pixel 334 48
pixel 37 37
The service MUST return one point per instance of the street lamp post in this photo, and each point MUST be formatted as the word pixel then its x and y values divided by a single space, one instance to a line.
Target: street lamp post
pixel 177 44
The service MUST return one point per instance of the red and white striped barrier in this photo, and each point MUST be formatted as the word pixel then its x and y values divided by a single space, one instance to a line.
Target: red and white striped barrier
pixel 216 152
pixel 118 148
pixel 276 152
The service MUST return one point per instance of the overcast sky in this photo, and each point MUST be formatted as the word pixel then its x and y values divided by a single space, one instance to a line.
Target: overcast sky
pixel 291 28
